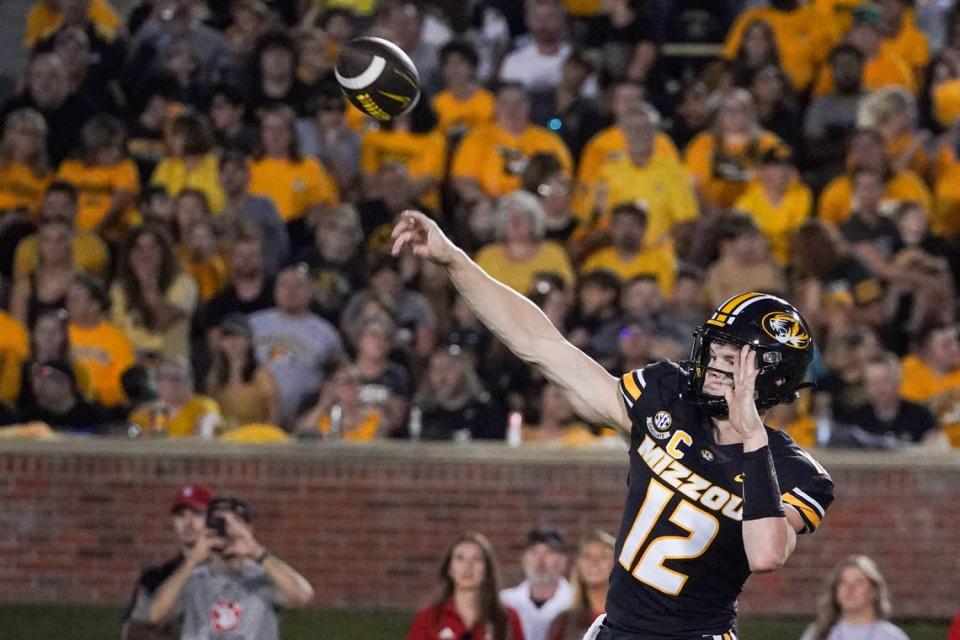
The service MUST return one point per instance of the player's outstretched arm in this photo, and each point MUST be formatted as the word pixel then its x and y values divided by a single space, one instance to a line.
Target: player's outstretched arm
pixel 519 323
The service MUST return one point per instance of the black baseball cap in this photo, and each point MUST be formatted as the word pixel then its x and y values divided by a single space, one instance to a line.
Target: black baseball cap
pixel 548 536
pixel 229 503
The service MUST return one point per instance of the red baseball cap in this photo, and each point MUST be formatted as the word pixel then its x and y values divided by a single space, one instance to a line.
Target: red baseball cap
pixel 193 496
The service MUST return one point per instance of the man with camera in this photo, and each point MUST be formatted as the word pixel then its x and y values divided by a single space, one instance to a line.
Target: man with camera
pixel 189 514
pixel 229 584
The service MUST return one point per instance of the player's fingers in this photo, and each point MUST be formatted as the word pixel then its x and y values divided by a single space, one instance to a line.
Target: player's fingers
pixel 399 243
pixel 406 223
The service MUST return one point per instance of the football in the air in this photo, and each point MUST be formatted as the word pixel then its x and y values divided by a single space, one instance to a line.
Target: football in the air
pixel 378 77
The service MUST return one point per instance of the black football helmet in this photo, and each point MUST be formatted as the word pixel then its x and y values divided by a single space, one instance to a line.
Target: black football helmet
pixel 775 330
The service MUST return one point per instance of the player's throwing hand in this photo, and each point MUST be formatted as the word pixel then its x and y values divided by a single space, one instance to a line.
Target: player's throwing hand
pixel 424 238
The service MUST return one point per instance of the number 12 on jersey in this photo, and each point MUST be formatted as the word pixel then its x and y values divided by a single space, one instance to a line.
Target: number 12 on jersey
pixel 701 529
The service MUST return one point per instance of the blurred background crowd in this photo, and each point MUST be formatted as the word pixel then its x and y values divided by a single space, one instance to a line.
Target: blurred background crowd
pixel 195 226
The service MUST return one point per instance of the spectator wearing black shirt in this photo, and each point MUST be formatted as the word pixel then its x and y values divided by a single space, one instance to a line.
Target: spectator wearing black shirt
pixel 546 178
pixel 566 109
pixel 385 383
pixel 48 92
pixel 870 232
pixel 887 413
pixel 227 112
pixel 189 523
pixel 57 400
pixel 452 403
pixel 249 289
pixel 273 76
pixel 337 263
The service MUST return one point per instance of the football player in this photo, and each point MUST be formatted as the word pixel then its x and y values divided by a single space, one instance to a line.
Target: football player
pixel 713 494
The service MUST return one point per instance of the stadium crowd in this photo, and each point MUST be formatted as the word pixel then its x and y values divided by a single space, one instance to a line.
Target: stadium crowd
pixel 195 227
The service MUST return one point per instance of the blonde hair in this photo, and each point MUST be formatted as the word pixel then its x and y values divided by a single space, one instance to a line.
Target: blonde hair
pixel 580 608
pixel 828 609
pixel 26 118
pixel 878 107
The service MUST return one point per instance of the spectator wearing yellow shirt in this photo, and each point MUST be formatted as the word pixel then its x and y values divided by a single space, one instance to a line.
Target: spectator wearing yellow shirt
pixel 463 105
pixel 803 37
pixel 245 391
pixel 90 253
pixel 413 141
pixel 777 201
pixel 521 252
pixel 491 159
pixel 191 163
pixel 197 247
pixel 152 300
pixel 107 183
pixel 558 425
pixel 893 112
pixel 868 151
pixel 931 375
pixel 903 38
pixel 95 343
pixel 611 143
pixel 178 412
pixel 946 213
pixel 722 159
pixel 627 257
pixel 881 68
pixel 24 168
pixel 744 263
pixel 341 413
pixel 49 342
pixel 641 176
pixel 45 17
pixel 280 172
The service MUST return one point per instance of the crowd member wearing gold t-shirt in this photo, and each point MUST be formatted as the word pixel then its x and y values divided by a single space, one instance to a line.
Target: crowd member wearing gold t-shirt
pixel 413 141
pixel 868 151
pixel 152 300
pixel 611 143
pixel 558 425
pixel 95 343
pixel 492 158
pixel 340 413
pixel 90 253
pixel 722 159
pixel 197 247
pixel 246 392
pixel 627 257
pixel 521 252
pixel 24 169
pixel 777 200
pixel 178 412
pixel 892 111
pixel 46 17
pixel 882 67
pixel 280 172
pixel 931 375
pixel 191 163
pixel 641 175
pixel 107 183
pixel 463 105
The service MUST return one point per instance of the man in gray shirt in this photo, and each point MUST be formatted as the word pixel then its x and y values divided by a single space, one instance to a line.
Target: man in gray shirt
pixel 243 211
pixel 295 343
pixel 229 585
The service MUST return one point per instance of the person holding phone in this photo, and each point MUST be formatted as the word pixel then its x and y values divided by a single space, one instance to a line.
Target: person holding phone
pixel 229 583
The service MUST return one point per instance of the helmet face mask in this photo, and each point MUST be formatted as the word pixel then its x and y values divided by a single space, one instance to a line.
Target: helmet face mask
pixel 777 333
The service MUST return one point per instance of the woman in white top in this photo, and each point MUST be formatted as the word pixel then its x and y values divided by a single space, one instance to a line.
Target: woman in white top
pixel 855 605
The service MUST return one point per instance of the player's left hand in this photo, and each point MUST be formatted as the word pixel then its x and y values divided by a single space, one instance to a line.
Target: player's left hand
pixel 242 543
pixel 741 401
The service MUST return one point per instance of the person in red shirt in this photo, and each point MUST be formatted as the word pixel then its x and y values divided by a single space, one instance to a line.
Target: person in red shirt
pixel 469 607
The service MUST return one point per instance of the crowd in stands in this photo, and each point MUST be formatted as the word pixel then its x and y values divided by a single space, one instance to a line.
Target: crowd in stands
pixel 195 226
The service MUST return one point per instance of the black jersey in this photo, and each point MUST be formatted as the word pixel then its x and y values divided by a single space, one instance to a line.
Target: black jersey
pixel 680 562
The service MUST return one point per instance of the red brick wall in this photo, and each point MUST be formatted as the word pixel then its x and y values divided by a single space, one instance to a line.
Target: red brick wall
pixel 367 524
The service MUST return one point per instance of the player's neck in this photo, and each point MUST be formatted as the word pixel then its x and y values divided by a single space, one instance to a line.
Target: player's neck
pixel 724 432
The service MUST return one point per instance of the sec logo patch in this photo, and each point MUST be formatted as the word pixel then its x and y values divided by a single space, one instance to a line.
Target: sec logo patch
pixel 659 425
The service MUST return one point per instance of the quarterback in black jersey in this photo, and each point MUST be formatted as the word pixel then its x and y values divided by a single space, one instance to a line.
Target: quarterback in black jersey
pixel 714 495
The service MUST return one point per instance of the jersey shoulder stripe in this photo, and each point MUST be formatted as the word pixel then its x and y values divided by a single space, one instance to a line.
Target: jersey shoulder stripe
pixel 631 386
pixel 809 509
